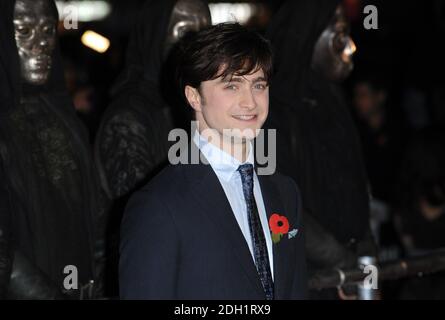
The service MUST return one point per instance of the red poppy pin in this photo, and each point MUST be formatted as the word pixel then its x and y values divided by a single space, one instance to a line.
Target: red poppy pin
pixel 279 226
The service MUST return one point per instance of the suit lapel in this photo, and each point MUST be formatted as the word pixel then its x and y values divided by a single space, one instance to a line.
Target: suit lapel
pixel 284 259
pixel 211 196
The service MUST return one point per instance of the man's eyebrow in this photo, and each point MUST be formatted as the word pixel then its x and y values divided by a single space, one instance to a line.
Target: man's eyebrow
pixel 232 79
pixel 259 79
pixel 242 79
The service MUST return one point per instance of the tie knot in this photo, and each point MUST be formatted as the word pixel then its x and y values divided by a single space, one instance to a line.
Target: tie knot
pixel 246 173
pixel 246 170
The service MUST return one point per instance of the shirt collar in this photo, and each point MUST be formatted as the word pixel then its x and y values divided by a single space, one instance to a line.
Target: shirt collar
pixel 224 165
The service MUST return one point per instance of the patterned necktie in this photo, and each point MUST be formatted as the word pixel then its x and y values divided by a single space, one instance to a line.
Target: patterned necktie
pixel 256 231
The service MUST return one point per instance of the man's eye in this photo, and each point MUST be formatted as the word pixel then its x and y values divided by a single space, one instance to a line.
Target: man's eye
pixel 260 86
pixel 231 87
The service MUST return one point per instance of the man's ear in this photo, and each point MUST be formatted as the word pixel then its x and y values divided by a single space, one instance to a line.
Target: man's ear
pixel 193 97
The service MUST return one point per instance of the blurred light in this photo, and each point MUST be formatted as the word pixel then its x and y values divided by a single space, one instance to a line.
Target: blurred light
pixel 232 12
pixel 85 11
pixel 350 48
pixel 95 41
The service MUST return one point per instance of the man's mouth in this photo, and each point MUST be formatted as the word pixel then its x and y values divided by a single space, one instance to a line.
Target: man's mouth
pixel 245 117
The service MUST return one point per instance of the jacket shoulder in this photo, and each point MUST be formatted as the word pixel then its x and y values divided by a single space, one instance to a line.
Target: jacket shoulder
pixel 285 183
pixel 168 184
pixel 169 178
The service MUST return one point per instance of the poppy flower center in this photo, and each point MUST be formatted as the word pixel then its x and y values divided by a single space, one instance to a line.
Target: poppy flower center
pixel 280 223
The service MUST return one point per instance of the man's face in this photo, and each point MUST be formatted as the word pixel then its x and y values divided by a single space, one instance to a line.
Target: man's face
pixel 333 51
pixel 187 15
pixel 35 35
pixel 240 102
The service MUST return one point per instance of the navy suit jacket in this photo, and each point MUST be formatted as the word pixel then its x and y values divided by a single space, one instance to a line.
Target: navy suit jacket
pixel 180 240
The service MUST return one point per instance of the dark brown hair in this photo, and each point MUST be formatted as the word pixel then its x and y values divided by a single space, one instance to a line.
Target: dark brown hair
pixel 237 49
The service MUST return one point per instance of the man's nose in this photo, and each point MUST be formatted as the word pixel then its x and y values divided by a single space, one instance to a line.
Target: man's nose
pixel 248 100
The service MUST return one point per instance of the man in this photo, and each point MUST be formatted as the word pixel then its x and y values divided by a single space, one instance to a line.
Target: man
pixel 201 231
pixel 318 144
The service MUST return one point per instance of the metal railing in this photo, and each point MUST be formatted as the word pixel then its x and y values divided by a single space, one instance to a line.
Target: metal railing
pixel 419 266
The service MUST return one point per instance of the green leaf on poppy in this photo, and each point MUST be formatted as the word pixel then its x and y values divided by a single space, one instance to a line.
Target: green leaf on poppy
pixel 276 237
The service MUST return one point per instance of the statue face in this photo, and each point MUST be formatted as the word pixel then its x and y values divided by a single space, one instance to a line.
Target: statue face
pixel 333 51
pixel 35 36
pixel 187 15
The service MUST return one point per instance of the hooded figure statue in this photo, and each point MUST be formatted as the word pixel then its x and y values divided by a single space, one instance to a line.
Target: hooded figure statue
pixel 131 145
pixel 317 142
pixel 132 141
pixel 49 222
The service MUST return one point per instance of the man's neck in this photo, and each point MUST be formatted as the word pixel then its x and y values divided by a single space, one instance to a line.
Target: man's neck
pixel 238 150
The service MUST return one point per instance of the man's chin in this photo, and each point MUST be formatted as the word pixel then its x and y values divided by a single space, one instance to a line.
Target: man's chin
pixel 241 135
pixel 240 140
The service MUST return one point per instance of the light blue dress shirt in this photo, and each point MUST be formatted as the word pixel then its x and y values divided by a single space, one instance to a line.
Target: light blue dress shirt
pixel 225 167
